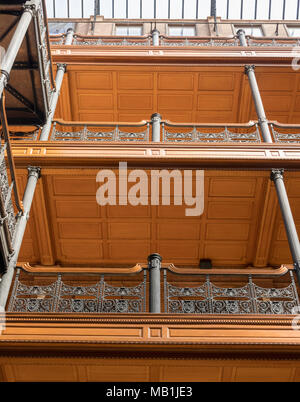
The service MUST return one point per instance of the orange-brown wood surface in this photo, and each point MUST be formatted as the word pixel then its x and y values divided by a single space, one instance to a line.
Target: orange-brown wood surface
pixel 191 94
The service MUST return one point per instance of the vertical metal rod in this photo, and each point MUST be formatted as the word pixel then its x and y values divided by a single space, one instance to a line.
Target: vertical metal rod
pixel 283 9
pixel 68 8
pixel 298 8
pixel 154 266
pixel 270 8
pixel 154 11
pixel 6 280
pixel 126 8
pixel 156 120
pixel 54 11
pixel 141 8
pixel 197 9
pixel 227 11
pixel 182 11
pixel 112 9
pixel 262 120
pixel 61 69
pixel 169 9
pixel 291 232
pixel 242 8
pixel 213 8
pixel 15 43
pixel 82 13
pixel 242 37
pixel 155 37
pixel 255 10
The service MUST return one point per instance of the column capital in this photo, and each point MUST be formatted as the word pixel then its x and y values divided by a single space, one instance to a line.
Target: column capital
pixel 34 171
pixel 61 66
pixel 241 31
pixel 249 67
pixel 154 260
pixel 156 116
pixel 276 174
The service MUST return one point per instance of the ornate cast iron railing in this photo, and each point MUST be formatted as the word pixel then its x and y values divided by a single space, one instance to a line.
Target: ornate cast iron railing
pixel 67 296
pixel 174 41
pixel 207 298
pixel 62 131
pixel 10 204
pixel 169 132
pixel 184 291
pixel 43 46
pixel 198 41
pixel 176 132
pixel 285 133
pixel 112 40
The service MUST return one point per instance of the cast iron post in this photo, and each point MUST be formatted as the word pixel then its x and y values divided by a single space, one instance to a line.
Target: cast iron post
pixel 6 280
pixel 290 228
pixel 154 266
pixel 262 120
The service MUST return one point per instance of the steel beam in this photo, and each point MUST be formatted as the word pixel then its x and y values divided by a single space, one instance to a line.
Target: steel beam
pixel 156 120
pixel 6 280
pixel 262 120
pixel 30 8
pixel 61 69
pixel 290 228
pixel 154 266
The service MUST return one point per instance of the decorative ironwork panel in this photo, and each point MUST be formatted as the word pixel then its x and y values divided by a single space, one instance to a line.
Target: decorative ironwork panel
pixel 6 197
pixel 285 137
pixel 99 135
pixel 83 41
pixel 248 299
pixel 64 298
pixel 222 136
pixel 198 42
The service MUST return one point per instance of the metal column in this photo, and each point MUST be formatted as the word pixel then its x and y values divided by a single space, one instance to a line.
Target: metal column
pixel 6 280
pixel 262 120
pixel 156 120
pixel 61 69
pixel 154 266
pixel 277 178
pixel 242 37
pixel 16 41
pixel 155 37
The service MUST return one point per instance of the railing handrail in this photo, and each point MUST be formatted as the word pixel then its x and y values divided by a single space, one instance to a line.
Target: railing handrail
pixel 139 267
pixel 275 123
pixel 105 123
pixel 250 124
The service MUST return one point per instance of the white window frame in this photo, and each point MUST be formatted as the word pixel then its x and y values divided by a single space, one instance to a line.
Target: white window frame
pixel 236 27
pixel 287 28
pixel 182 27
pixel 140 26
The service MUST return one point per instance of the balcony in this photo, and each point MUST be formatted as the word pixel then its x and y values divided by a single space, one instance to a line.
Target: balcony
pixel 168 132
pixel 164 41
pixel 154 288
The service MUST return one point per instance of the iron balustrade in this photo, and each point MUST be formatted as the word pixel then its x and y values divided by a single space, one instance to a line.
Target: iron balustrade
pixel 197 132
pixel 183 291
pixel 113 40
pixel 100 131
pixel 177 41
pixel 10 203
pixel 285 133
pixel 168 132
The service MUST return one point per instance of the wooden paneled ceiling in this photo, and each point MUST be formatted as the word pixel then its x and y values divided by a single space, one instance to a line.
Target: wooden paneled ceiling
pixel 241 224
pixel 181 94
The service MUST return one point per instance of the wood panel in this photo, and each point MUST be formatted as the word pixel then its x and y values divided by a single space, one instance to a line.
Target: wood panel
pixel 199 94
pixel 83 232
